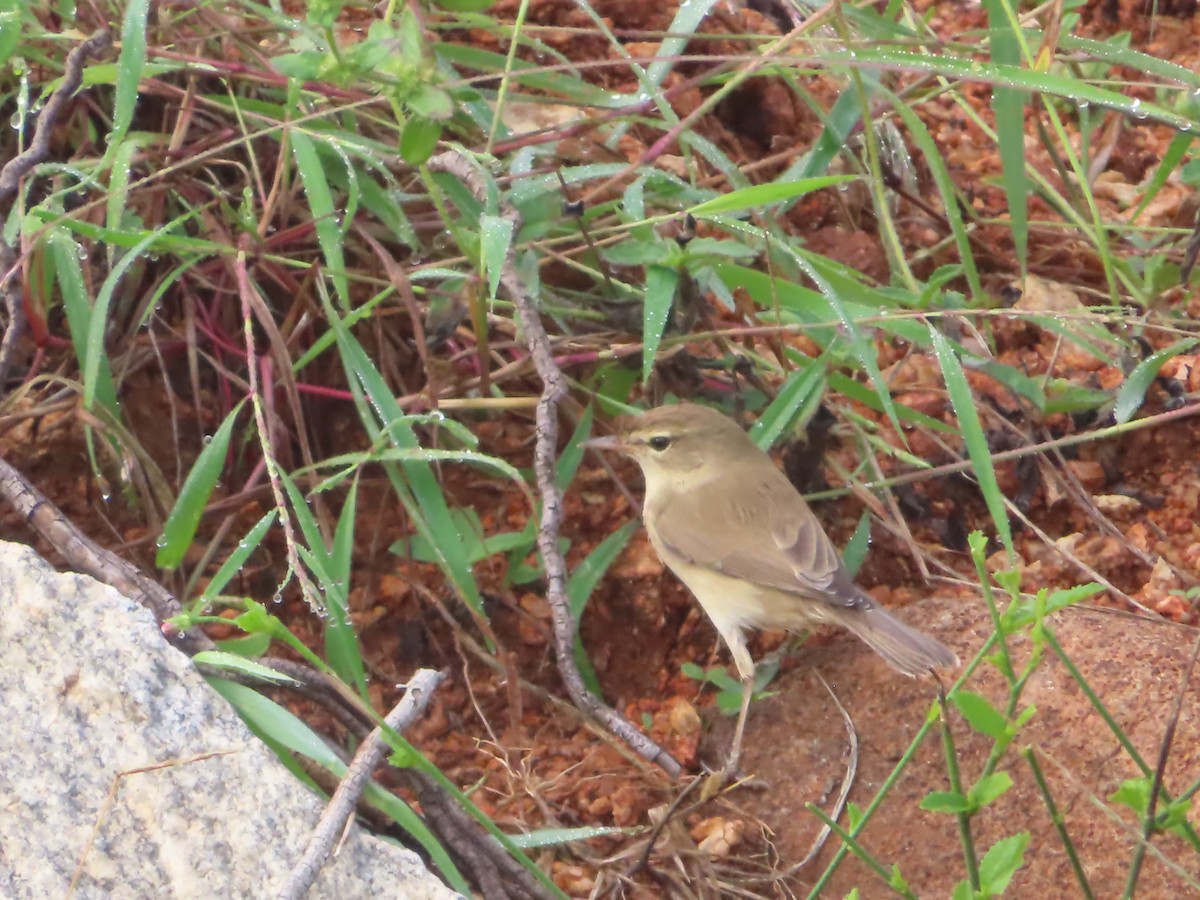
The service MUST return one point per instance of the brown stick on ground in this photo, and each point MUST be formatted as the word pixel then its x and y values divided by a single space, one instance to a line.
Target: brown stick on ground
pixel 84 555
pixel 546 447
pixel 10 179
pixel 39 148
pixel 342 804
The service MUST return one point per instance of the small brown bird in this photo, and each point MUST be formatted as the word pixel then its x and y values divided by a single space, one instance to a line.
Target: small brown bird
pixel 731 526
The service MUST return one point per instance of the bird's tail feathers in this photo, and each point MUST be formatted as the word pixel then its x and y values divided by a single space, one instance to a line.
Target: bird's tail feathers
pixel 905 649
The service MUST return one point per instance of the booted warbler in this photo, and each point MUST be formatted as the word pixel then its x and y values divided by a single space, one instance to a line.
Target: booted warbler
pixel 731 526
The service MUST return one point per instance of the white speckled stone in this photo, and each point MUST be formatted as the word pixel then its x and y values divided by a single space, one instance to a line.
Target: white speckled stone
pixel 90 690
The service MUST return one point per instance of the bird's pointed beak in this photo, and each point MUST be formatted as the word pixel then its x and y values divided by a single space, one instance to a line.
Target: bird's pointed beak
pixel 608 442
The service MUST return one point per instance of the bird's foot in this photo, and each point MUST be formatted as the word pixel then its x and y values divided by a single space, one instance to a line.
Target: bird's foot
pixel 729 777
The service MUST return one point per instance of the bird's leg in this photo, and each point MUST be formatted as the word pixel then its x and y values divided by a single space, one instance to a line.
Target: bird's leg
pixel 745 666
pixel 735 751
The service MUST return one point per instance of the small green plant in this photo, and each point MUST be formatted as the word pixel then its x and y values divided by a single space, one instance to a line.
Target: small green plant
pixel 729 688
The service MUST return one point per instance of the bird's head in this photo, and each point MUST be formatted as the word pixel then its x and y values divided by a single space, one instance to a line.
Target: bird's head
pixel 674 441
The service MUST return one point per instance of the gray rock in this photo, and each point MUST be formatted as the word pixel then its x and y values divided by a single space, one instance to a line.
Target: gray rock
pixel 121 767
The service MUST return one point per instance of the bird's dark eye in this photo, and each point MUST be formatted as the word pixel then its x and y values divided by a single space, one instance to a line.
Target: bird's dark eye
pixel 659 442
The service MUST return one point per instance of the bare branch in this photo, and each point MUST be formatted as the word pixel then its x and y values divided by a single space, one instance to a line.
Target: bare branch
pixel 545 450
pixel 84 555
pixel 10 180
pixel 341 805
pixel 39 148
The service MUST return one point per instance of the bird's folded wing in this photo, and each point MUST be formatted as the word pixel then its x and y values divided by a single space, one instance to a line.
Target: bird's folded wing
pixel 765 534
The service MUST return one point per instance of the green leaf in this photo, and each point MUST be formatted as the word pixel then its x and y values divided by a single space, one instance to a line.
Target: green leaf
pixel 326 216
pixel 840 122
pixel 980 714
pixel 946 187
pixel 660 295
pixel 692 671
pixel 11 24
pixel 764 194
pixel 342 649
pixel 973 435
pixel 250 646
pixel 796 401
pixel 572 454
pixel 1061 599
pixel 1133 392
pixel 78 308
pixel 240 664
pixel 495 240
pixel 464 6
pixel 1166 166
pixel 129 69
pixel 1134 793
pixel 184 519
pixel 267 718
pixel 418 489
pixel 1001 862
pixel 635 251
pixel 1175 816
pixel 1022 612
pixel 990 788
pixel 945 801
pixel 240 554
pixel 419 140
pixel 856 548
pixel 431 102
pixel 1008 106
pixel 854 816
pixel 581 584
pixel 589 572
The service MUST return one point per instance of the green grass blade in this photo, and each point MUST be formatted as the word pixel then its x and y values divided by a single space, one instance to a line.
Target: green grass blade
pixel 284 732
pixel 129 69
pixel 1008 106
pixel 796 400
pixel 973 435
pixel 946 187
pixel 1132 392
pixel 418 489
pixel 78 307
pixel 325 215
pixel 242 552
pixel 661 282
pixel 495 238
pixel 342 648
pixel 761 195
pixel 184 519
pixel 579 590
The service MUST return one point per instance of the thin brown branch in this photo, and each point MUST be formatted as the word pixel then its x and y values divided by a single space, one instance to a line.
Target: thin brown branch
pixel 84 555
pixel 14 308
pixel 847 783
pixel 39 148
pixel 10 180
pixel 341 806
pixel 554 390
pixel 250 298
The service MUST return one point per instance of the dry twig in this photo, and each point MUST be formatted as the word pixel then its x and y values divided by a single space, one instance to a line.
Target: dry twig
pixel 341 806
pixel 20 166
pixel 39 148
pixel 84 555
pixel 546 447
pixel 847 783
